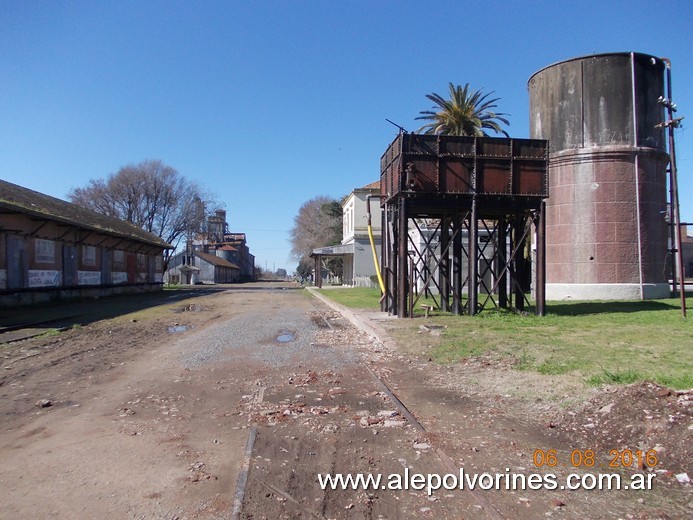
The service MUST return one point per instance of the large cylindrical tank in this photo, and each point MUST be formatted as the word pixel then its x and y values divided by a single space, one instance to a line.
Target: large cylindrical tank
pixel 606 231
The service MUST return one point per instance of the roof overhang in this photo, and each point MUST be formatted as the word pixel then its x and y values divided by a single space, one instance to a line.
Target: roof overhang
pixel 338 250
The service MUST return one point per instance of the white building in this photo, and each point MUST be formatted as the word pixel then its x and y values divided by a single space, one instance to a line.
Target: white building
pixel 355 249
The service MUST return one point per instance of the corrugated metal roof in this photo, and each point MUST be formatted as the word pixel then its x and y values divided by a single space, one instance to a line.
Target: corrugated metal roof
pixel 216 260
pixel 17 199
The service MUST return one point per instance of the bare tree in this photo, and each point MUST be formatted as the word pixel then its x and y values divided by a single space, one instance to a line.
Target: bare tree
pixel 151 195
pixel 318 223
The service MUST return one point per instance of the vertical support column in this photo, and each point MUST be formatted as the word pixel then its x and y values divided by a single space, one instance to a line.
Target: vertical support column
pixel 541 260
pixel 473 248
pixel 519 263
pixel 444 266
pixel 457 265
pixel 502 259
pixel 412 281
pixel 384 255
pixel 394 258
pixel 402 268
pixel 318 272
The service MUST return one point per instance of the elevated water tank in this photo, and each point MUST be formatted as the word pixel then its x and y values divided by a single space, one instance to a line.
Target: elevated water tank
pixel 606 231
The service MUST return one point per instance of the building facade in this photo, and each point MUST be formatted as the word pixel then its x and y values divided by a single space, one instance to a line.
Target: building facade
pixel 214 256
pixel 199 267
pixel 355 249
pixel 52 249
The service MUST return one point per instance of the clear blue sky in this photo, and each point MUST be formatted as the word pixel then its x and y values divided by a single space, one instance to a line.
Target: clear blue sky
pixel 271 103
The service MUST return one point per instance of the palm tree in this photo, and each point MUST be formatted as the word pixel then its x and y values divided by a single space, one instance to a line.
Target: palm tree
pixel 465 113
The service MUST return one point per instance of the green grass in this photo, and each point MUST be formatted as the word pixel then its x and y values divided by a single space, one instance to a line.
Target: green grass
pixel 355 297
pixel 49 333
pixel 600 342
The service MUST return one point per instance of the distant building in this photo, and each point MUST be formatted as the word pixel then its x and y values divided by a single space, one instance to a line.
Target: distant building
pixel 215 256
pixel 357 255
pixel 52 249
pixel 201 268
pixel 355 249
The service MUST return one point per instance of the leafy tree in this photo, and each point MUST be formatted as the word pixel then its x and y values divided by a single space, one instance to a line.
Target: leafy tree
pixel 305 268
pixel 333 210
pixel 150 195
pixel 465 113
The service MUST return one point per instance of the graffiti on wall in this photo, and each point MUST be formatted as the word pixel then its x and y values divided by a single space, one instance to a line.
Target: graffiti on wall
pixel 88 277
pixel 119 277
pixel 42 278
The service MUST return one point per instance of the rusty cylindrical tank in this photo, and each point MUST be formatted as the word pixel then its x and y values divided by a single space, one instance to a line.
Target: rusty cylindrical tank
pixel 606 231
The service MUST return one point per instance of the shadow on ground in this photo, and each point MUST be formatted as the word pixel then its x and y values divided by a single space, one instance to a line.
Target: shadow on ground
pixel 68 313
pixel 580 308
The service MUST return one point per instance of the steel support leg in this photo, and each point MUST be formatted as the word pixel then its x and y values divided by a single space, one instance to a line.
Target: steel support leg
pixel 502 257
pixel 541 261
pixel 402 267
pixel 444 267
pixel 457 265
pixel 519 263
pixel 473 248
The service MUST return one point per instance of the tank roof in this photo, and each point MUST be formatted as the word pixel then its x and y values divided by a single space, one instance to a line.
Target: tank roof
pixel 596 55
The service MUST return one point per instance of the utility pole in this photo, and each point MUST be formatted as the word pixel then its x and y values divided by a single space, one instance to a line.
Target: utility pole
pixel 672 123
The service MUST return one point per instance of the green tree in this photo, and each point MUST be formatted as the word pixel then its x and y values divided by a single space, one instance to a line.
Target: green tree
pixel 318 223
pixel 467 113
pixel 305 268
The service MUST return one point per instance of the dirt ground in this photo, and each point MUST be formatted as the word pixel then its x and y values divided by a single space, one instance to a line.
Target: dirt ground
pixel 228 403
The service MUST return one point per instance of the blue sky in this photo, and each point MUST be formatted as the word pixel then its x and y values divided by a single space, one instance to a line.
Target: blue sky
pixel 269 104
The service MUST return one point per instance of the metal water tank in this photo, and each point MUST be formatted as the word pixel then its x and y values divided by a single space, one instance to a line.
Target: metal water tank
pixel 606 231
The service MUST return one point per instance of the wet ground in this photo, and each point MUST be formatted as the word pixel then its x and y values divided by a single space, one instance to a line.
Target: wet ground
pixel 230 403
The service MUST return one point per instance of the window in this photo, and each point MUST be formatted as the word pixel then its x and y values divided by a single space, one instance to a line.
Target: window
pixel 119 256
pixel 89 255
pixel 45 251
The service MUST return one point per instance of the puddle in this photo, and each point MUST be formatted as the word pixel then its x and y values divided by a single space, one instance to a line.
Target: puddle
pixel 189 308
pixel 286 337
pixel 178 328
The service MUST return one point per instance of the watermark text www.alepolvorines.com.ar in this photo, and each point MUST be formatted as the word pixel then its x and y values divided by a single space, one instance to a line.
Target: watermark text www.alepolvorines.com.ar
pixel 431 482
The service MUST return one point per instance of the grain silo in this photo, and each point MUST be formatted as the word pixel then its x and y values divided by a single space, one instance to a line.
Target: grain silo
pixel 606 229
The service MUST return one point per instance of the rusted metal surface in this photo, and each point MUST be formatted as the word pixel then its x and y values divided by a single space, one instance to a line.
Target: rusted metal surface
pixel 467 185
pixel 605 230
pixel 456 165
pixel 586 102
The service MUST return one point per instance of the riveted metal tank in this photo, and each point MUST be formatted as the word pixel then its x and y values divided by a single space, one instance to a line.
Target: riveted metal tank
pixel 606 232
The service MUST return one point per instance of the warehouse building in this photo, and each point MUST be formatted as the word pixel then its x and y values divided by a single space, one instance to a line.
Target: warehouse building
pixel 52 249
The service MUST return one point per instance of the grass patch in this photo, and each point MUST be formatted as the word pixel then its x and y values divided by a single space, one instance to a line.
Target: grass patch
pixel 49 333
pixel 355 297
pixel 598 342
pixel 618 377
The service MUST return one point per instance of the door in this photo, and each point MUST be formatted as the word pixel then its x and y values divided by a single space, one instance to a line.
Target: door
pixel 17 264
pixel 106 260
pixel 69 265
pixel 132 268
